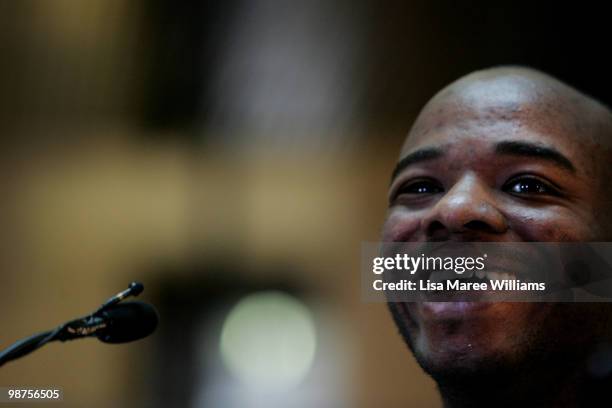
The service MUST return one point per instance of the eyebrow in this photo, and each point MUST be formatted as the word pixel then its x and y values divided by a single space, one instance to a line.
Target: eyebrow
pixel 526 149
pixel 416 157
pixel 513 148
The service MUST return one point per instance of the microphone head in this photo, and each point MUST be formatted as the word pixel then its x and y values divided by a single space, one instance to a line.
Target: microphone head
pixel 127 322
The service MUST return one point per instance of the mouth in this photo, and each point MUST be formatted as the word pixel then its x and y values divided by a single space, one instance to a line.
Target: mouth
pixel 474 293
pixel 470 301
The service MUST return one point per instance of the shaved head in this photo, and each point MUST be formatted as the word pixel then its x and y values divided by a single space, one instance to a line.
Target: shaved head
pixel 521 93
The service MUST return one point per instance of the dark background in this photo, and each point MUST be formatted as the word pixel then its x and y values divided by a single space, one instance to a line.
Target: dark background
pixel 409 50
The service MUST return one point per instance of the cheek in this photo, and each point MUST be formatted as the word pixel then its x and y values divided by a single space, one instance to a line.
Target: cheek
pixel 400 225
pixel 550 224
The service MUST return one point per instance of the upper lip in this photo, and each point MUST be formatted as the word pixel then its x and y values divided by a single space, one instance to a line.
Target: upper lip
pixel 454 236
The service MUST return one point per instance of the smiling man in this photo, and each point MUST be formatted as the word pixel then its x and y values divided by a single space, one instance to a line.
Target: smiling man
pixel 506 155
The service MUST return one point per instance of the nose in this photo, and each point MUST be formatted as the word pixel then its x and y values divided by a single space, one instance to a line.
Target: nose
pixel 468 208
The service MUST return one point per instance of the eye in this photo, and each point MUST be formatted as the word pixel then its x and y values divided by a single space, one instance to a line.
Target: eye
pixel 417 189
pixel 530 185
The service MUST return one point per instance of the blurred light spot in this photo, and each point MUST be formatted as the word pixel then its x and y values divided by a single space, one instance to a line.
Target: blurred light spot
pixel 268 341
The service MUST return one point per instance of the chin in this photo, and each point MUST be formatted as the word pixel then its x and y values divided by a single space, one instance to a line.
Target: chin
pixel 453 360
pixel 468 340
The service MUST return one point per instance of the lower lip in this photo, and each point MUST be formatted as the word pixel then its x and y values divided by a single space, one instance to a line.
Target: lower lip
pixel 452 310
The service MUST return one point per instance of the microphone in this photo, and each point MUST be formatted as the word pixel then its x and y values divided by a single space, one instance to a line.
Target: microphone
pixel 119 323
pixel 128 322
pixel 113 322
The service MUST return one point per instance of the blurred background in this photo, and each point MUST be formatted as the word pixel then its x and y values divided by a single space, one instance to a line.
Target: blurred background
pixel 232 156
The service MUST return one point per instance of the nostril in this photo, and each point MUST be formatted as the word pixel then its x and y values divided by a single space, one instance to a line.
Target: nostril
pixel 437 231
pixel 477 225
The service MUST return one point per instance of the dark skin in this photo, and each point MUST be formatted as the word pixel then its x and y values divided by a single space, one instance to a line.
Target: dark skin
pixel 505 155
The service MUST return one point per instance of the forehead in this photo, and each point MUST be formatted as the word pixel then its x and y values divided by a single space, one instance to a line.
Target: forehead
pixel 482 113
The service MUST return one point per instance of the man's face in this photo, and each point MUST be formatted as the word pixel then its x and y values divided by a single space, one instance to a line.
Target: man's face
pixel 494 163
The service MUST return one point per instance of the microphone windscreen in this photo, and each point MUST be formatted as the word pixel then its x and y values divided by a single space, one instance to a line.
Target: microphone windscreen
pixel 128 321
